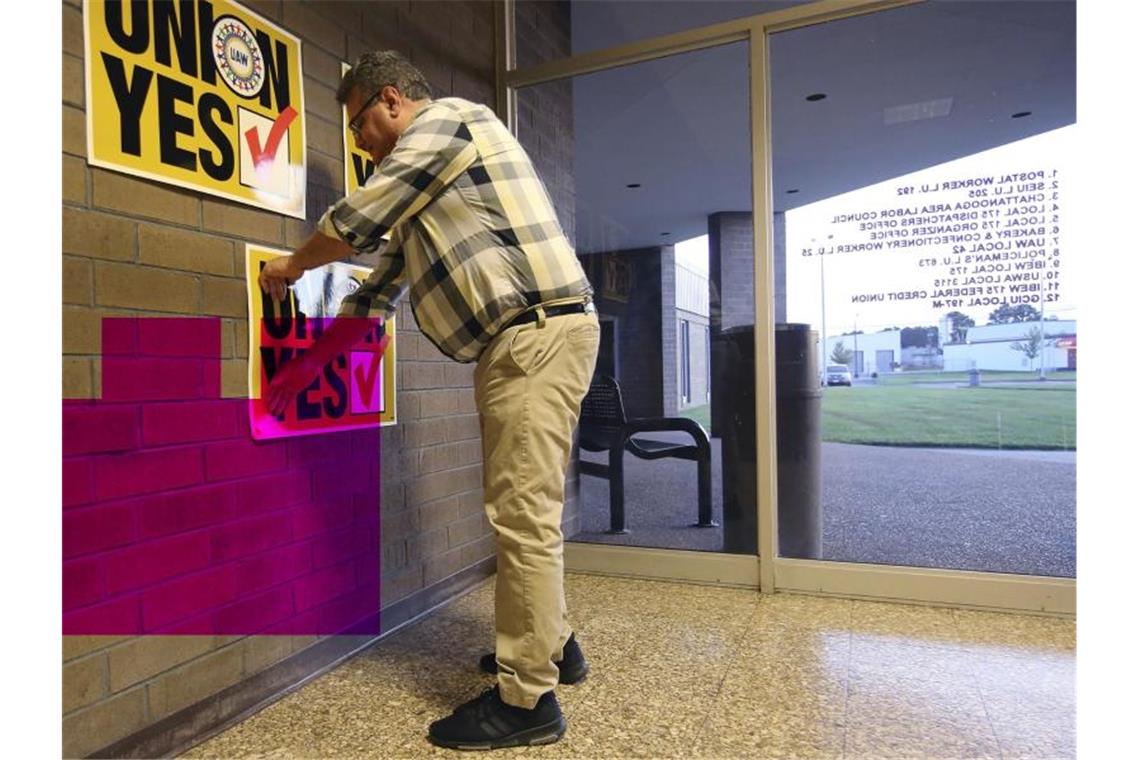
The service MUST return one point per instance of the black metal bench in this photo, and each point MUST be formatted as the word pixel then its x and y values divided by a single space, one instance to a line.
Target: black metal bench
pixel 603 427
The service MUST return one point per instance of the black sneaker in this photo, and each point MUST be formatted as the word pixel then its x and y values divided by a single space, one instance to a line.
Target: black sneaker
pixel 572 668
pixel 487 722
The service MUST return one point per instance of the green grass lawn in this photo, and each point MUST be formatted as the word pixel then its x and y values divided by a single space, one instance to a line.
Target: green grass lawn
pixel 910 378
pixel 1033 415
pixel 701 414
pixel 1011 417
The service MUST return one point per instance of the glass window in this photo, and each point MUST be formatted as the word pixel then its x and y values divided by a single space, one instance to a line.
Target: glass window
pixel 638 171
pixel 920 171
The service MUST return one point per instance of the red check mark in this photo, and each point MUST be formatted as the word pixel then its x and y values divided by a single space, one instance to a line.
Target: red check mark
pixel 366 379
pixel 276 132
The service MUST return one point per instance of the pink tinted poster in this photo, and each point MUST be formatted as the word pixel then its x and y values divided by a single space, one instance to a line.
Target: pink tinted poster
pixel 355 390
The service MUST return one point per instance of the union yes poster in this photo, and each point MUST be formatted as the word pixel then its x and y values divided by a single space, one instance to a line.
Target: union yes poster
pixel 202 94
pixel 355 390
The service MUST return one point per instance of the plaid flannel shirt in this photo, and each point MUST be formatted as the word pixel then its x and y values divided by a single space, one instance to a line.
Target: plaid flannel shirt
pixel 474 235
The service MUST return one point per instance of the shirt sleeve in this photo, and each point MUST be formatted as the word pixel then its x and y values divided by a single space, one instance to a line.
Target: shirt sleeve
pixel 381 291
pixel 431 153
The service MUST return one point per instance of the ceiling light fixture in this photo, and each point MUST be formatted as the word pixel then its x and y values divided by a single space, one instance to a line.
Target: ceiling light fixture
pixel 1021 114
pixel 816 96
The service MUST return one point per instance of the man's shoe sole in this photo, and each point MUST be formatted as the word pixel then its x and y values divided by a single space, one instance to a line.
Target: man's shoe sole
pixel 531 737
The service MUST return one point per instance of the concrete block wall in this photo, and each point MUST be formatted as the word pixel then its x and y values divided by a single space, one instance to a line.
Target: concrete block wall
pixel 132 247
pixel 546 111
pixel 732 290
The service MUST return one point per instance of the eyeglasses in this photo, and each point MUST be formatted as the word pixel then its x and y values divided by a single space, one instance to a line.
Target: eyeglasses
pixel 354 123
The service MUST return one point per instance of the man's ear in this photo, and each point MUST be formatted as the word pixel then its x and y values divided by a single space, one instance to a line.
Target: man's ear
pixel 392 99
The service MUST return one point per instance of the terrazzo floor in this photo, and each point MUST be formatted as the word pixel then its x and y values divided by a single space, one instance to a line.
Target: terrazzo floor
pixel 696 671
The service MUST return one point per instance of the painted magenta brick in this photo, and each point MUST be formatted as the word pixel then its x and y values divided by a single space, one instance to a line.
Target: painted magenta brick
pixel 243 458
pixel 204 624
pixel 298 623
pixel 121 336
pixel 145 378
pixel 181 598
pixel 274 567
pixel 77 482
pixel 82 583
pixel 324 585
pixel 164 514
pixel 355 612
pixel 180 337
pixel 257 612
pixel 176 522
pixel 273 492
pixel 330 481
pixel 333 547
pixel 367 570
pixel 92 428
pixel 185 422
pixel 313 450
pixel 118 617
pixel 146 472
pixel 153 561
pixel 245 537
pixel 98 528
pixel 321 517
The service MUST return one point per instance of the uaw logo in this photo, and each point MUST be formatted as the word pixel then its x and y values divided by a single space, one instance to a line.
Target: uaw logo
pixel 238 57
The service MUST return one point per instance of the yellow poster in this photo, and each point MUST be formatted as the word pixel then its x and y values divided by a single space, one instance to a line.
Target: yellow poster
pixel 356 389
pixel 358 165
pixel 201 94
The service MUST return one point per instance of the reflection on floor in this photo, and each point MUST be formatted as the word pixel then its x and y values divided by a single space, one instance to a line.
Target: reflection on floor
pixel 960 509
pixel 694 671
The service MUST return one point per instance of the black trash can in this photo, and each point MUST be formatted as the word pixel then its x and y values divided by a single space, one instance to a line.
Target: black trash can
pixel 798 438
pixel 734 420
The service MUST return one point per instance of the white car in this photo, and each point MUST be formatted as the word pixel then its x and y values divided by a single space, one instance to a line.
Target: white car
pixel 837 374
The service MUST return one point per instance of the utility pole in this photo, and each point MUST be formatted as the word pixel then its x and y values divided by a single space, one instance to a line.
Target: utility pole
pixel 822 317
pixel 1041 327
pixel 822 311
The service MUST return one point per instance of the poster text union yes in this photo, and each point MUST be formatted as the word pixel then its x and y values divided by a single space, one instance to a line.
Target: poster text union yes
pixel 203 94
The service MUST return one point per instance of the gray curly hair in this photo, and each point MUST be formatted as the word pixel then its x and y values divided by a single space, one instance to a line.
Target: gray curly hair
pixel 376 70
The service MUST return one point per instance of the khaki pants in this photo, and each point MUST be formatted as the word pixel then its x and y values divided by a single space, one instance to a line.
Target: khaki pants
pixel 529 385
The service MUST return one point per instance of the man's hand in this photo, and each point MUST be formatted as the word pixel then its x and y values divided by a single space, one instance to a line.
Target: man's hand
pixel 293 377
pixel 277 275
pixel 296 375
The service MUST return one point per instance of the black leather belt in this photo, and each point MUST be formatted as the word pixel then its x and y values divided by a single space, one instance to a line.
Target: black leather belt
pixel 551 311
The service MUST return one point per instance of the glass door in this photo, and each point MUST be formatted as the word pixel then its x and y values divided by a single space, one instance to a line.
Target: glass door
pixel 649 167
pixel 884 418
pixel 926 330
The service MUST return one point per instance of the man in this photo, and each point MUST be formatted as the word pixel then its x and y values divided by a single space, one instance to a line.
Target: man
pixel 475 239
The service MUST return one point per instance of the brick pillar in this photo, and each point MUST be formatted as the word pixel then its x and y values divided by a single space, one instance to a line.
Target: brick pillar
pixel 731 294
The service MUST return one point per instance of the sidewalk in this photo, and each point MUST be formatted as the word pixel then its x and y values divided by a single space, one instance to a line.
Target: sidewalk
pixel 969 509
